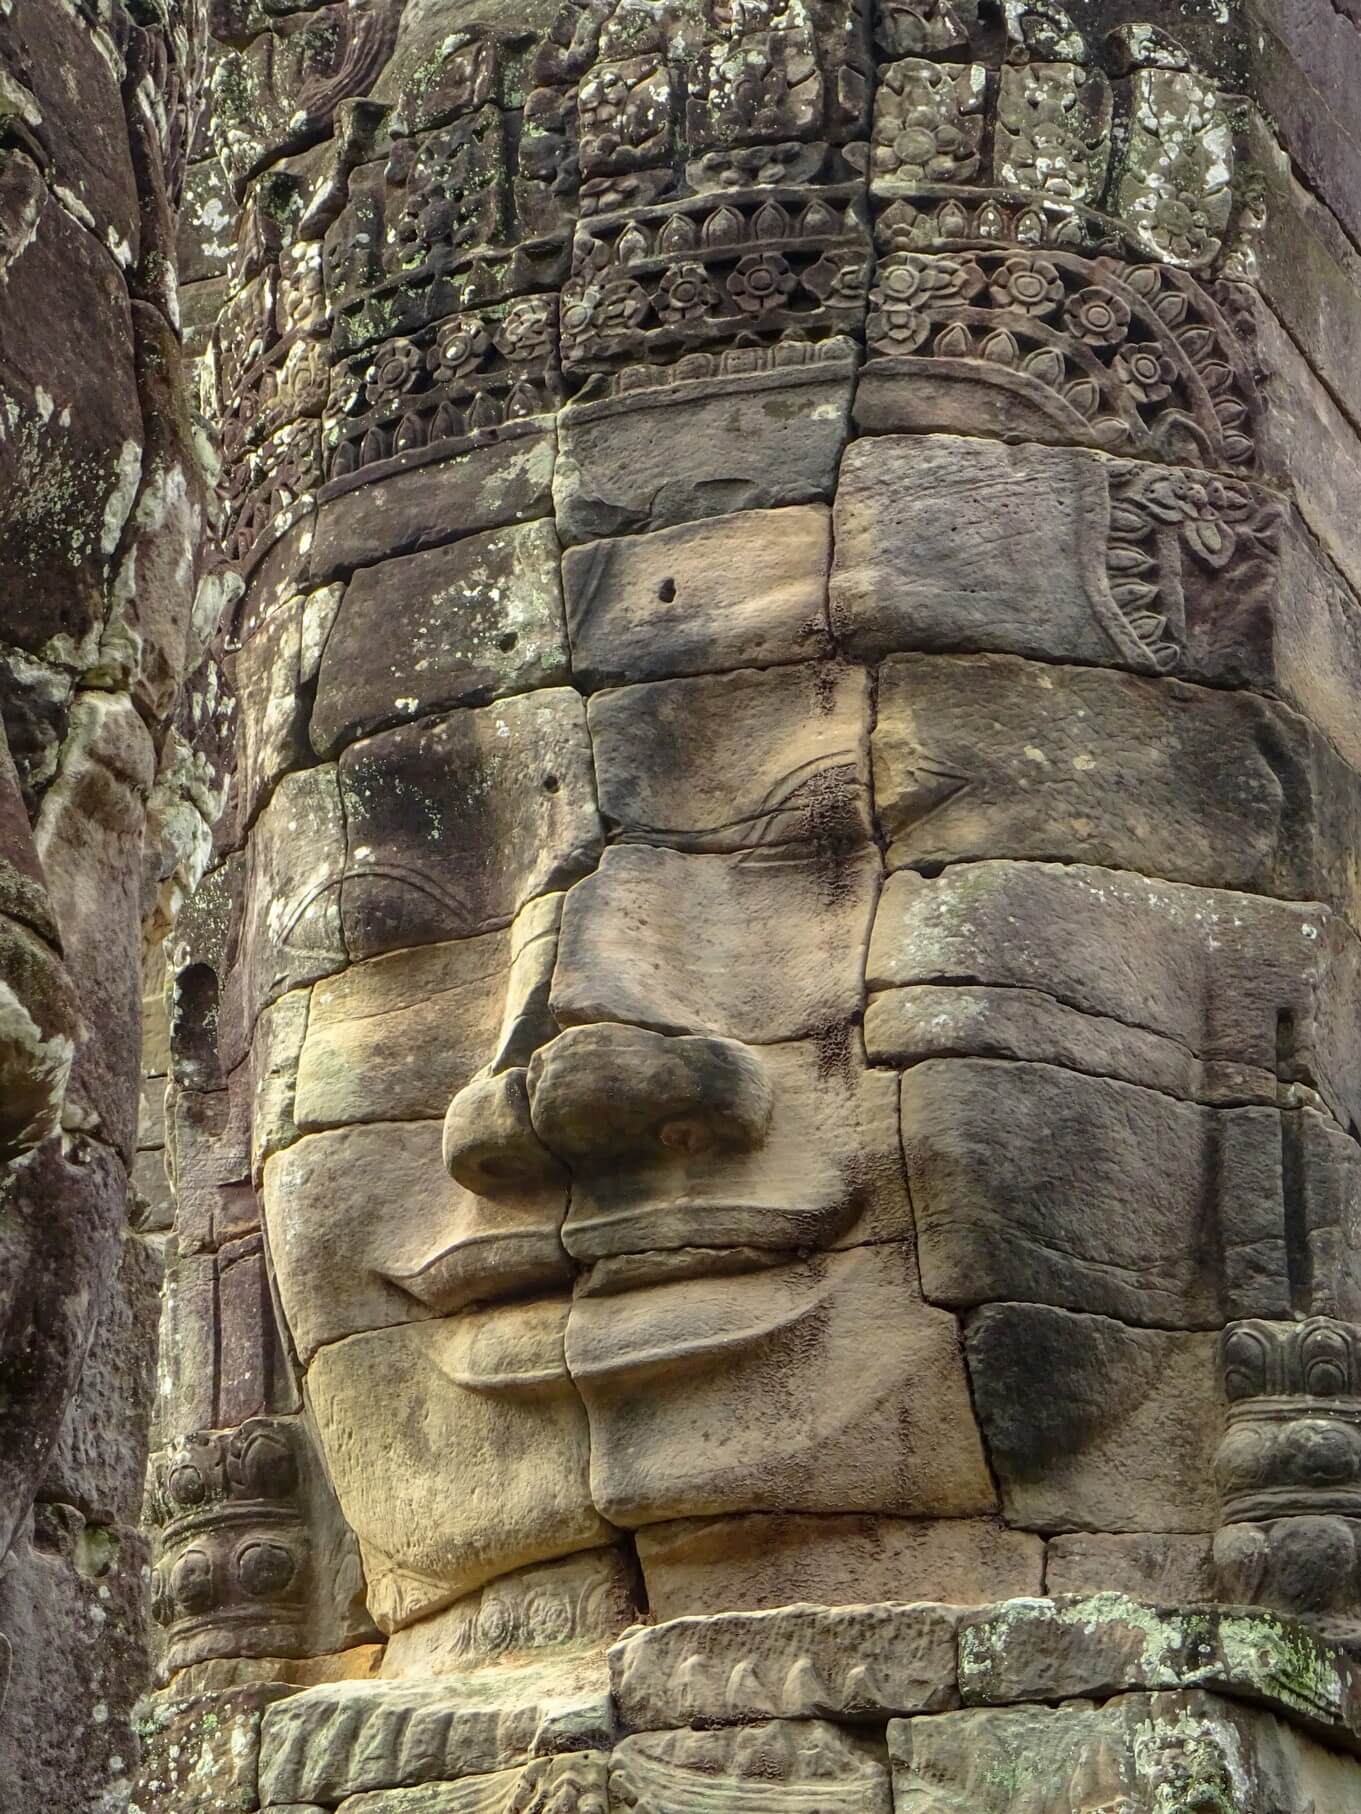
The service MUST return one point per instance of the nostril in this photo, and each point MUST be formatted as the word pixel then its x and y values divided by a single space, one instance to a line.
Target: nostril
pixel 685 1136
pixel 489 1145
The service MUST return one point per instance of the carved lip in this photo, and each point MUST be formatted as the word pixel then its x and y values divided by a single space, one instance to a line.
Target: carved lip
pixel 688 1318
pixel 693 1222
pixel 481 1267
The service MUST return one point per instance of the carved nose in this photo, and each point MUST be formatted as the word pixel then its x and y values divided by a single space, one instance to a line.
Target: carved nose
pixel 603 1091
pixel 490 1146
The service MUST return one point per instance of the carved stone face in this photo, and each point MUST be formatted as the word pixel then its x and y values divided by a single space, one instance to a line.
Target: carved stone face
pixel 663 1266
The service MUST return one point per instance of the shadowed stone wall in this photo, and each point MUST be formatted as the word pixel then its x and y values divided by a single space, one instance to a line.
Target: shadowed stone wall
pixel 769 1046
pixel 105 807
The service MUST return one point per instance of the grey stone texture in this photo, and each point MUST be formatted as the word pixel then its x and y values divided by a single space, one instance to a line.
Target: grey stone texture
pixel 765 1142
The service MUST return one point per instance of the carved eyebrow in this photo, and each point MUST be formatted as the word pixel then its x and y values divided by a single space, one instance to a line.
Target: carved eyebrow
pixel 394 872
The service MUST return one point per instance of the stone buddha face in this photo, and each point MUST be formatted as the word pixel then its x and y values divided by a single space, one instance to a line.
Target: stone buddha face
pixel 598 1218
pixel 731 655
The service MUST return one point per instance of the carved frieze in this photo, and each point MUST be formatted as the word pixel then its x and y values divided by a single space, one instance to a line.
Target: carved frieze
pixel 1289 1469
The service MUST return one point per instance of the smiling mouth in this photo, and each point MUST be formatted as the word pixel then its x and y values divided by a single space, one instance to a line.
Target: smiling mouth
pixel 618 1273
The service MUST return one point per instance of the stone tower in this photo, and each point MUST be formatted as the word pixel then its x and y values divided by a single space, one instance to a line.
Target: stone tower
pixel 765 1068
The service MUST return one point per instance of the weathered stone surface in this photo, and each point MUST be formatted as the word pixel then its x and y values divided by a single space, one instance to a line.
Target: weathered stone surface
pixel 1093 1425
pixel 72 1605
pixel 398 1036
pixel 1031 1183
pixel 577 1779
pixel 761 759
pixel 759 1562
pixel 554 1619
pixel 950 545
pixel 203 1753
pixel 1139 1750
pixel 1254 990
pixel 1056 1649
pixel 455 823
pixel 792 1148
pixel 489 1382
pixel 486 488
pixel 62 1213
pixel 751 444
pixel 989 756
pixel 266 677
pixel 346 1738
pixel 718 1439
pixel 774 950
pixel 481 618
pixel 89 839
pixel 367 1229
pixel 801 1765
pixel 802 1662
pixel 1159 1566
pixel 296 861
pixel 727 592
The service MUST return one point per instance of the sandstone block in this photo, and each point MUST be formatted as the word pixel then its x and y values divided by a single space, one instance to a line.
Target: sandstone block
pixel 1093 1425
pixel 821 1168
pixel 272 733
pixel 1035 1184
pixel 486 488
pixel 346 1738
pixel 483 1398
pixel 577 1779
pixel 928 1020
pixel 700 449
pixel 773 950
pixel 758 1562
pixel 202 1754
pixel 367 1229
pixel 726 592
pixel 804 1766
pixel 1103 1643
pixel 988 755
pixel 1255 990
pixel 802 1662
pixel 275 1054
pixel 1133 1752
pixel 295 862
pixel 762 759
pixel 457 625
pixel 957 545
pixel 839 1337
pixel 454 823
pixel 1146 1565
pixel 393 1038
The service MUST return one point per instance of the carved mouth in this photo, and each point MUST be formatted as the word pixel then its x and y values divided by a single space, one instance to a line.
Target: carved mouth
pixel 591 1234
pixel 485 1266
pixel 698 1318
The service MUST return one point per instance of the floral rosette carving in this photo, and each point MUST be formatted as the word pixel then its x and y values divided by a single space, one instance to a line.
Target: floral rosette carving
pixel 1132 359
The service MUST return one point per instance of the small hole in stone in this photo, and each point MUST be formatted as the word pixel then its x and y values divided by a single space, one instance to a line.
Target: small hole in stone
pixel 666 592
pixel 507 642
pixel 550 784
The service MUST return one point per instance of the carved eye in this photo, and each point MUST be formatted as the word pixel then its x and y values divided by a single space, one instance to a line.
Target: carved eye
pixel 264 1568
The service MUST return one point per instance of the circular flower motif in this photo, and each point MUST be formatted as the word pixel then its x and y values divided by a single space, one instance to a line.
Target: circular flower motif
pixel 1146 373
pixel 526 332
pixel 760 282
pixel 1097 317
pixel 896 328
pixel 397 369
pixel 1032 285
pixel 460 347
pixel 495 1627
pixel 685 293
